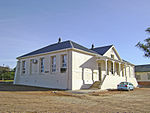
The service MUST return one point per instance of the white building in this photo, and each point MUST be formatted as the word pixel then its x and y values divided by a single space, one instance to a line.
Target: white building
pixel 68 65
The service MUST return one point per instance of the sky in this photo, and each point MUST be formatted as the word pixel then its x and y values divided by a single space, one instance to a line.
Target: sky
pixel 27 25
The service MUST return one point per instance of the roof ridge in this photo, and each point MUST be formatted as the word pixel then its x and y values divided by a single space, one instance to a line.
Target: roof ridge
pixel 71 43
pixel 143 65
pixel 103 46
pixel 86 49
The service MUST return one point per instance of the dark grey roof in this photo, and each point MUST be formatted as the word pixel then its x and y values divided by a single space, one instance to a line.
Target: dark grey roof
pixel 142 68
pixel 77 46
pixel 102 50
pixel 58 46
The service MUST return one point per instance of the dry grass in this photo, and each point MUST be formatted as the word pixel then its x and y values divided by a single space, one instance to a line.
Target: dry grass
pixel 62 101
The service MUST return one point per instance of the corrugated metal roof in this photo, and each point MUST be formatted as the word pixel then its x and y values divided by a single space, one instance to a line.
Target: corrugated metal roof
pixel 142 68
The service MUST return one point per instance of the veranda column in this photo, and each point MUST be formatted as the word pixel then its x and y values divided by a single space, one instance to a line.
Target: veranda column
pixel 106 66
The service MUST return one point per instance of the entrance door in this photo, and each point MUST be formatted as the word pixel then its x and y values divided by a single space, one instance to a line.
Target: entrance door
pixel 99 70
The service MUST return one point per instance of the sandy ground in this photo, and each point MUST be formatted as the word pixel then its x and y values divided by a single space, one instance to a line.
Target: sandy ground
pixel 32 100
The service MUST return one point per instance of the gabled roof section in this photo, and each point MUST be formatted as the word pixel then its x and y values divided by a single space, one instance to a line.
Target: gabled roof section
pixel 142 68
pixel 102 50
pixel 58 46
pixel 77 46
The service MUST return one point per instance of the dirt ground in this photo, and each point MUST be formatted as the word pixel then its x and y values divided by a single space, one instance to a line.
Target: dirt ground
pixel 32 100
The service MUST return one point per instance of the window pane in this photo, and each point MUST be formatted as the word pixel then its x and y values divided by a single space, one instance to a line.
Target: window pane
pixel 53 63
pixel 64 61
pixel 23 66
pixel 42 64
pixel 138 77
pixel 148 74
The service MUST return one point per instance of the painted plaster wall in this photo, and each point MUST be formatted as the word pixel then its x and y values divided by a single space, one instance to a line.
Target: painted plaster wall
pixel 47 78
pixel 112 81
pixel 84 70
pixel 111 52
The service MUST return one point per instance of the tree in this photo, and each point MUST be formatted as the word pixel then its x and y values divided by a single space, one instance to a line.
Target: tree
pixel 146 45
pixel 6 73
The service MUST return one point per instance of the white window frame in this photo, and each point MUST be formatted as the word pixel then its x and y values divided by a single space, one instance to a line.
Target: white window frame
pixel 148 76
pixel 31 61
pixel 53 64
pixel 138 77
pixel 23 67
pixel 63 68
pixel 42 65
pixel 64 61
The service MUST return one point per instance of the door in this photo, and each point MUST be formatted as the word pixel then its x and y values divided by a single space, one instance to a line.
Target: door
pixel 99 70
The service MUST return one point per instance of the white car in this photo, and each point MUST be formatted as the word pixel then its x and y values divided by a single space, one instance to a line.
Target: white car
pixel 125 86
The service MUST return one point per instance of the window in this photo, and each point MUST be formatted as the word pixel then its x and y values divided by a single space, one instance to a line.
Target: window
pixel 53 65
pixel 138 77
pixel 31 66
pixel 112 56
pixel 63 63
pixel 42 65
pixel 23 67
pixel 148 76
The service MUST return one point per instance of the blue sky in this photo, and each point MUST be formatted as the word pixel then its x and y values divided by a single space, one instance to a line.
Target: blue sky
pixel 27 25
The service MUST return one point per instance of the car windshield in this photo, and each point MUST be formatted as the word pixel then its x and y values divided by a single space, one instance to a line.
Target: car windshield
pixel 124 83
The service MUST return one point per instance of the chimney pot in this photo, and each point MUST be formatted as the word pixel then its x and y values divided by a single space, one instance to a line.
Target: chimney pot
pixel 92 46
pixel 59 40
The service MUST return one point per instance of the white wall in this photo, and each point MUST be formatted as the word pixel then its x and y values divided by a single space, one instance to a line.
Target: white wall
pixel 111 81
pixel 84 70
pixel 110 52
pixel 47 78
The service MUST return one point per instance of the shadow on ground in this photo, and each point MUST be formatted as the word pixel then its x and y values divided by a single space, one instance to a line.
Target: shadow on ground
pixel 9 86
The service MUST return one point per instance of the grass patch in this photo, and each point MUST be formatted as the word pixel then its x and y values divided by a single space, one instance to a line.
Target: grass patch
pixel 6 80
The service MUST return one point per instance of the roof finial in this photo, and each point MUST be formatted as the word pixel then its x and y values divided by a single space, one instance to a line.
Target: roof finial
pixel 59 40
pixel 92 46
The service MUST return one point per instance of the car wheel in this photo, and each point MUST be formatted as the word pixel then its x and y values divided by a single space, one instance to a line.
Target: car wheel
pixel 129 89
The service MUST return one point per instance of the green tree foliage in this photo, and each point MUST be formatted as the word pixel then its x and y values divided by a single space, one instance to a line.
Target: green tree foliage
pixel 146 45
pixel 6 73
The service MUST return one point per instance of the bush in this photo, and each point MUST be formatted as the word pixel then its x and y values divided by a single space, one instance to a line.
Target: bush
pixel 7 75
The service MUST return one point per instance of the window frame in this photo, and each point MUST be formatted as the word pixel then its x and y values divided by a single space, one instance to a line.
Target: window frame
pixel 53 64
pixel 138 77
pixel 42 67
pixel 23 67
pixel 64 61
pixel 63 64
pixel 112 56
pixel 148 76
